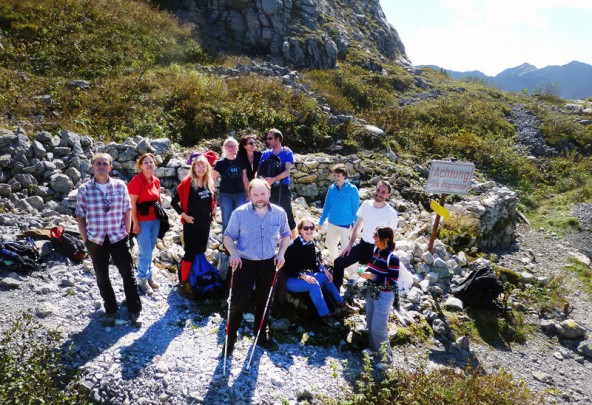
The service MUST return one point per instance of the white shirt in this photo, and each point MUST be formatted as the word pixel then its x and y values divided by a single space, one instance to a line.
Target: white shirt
pixel 375 217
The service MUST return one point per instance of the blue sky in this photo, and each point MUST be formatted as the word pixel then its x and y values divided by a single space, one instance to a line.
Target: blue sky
pixel 493 35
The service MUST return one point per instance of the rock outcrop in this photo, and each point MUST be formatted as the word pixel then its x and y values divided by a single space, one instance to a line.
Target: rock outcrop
pixel 299 33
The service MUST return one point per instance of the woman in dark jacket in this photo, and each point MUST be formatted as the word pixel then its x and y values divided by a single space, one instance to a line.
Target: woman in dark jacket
pixel 381 274
pixel 194 202
pixel 305 273
pixel 247 149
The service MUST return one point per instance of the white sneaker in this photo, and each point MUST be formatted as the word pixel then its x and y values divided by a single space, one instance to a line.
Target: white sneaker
pixel 144 286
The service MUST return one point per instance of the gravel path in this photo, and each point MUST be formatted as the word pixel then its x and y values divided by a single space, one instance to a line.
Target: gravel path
pixel 174 357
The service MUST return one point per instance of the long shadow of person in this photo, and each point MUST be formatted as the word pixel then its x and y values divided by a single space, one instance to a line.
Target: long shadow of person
pixel 155 340
pixel 88 344
pixel 245 381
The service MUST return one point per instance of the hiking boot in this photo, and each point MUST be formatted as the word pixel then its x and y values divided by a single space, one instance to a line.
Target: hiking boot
pixel 134 319
pixel 153 284
pixel 144 286
pixel 345 308
pixel 267 342
pixel 329 322
pixel 108 320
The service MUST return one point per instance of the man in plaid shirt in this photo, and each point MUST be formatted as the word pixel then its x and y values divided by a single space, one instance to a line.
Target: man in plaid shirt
pixel 103 212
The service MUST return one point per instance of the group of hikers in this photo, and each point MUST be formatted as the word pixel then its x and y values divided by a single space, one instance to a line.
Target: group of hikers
pixel 268 251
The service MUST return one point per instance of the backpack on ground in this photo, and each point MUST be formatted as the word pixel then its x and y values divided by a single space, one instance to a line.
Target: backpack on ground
pixel 270 167
pixel 19 256
pixel 66 244
pixel 479 289
pixel 204 279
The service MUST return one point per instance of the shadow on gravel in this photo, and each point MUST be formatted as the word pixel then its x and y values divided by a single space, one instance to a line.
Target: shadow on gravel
pixel 155 340
pixel 88 344
pixel 455 358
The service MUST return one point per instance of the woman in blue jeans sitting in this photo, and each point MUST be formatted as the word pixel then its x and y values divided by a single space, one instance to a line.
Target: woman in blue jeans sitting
pixel 305 273
pixel 234 184
pixel 381 274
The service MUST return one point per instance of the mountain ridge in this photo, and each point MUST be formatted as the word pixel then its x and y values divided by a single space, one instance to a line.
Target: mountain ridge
pixel 572 80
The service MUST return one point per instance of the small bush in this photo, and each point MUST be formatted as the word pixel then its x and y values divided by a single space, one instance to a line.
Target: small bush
pixel 444 385
pixel 461 231
pixel 31 371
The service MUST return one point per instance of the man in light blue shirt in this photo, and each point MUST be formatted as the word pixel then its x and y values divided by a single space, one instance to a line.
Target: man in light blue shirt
pixel 251 237
pixel 341 204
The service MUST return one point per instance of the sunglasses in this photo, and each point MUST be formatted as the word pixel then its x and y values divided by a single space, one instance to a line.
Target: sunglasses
pixel 270 139
pixel 375 235
pixel 101 164
pixel 107 206
pixel 308 228
pixel 250 143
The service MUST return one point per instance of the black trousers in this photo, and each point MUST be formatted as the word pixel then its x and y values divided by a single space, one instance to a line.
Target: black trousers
pixel 360 253
pixel 122 258
pixel 195 239
pixel 282 196
pixel 260 274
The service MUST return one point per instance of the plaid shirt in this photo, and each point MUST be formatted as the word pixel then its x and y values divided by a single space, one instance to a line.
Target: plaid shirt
pixel 100 221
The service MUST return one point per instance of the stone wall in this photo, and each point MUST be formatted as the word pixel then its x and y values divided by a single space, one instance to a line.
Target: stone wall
pixel 43 173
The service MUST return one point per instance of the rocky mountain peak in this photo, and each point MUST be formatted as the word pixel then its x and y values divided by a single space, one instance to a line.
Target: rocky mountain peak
pixel 299 33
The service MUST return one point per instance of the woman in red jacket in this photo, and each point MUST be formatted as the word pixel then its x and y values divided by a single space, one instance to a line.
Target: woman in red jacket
pixel 194 202
pixel 144 190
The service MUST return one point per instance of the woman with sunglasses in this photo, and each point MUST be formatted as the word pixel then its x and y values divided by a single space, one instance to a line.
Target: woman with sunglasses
pixel 144 191
pixel 381 274
pixel 233 180
pixel 305 273
pixel 193 201
pixel 247 149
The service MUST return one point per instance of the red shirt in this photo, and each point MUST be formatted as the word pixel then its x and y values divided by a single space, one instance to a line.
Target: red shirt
pixel 146 190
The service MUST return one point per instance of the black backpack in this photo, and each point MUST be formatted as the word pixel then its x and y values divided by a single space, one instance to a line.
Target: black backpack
pixel 479 289
pixel 67 244
pixel 270 167
pixel 20 256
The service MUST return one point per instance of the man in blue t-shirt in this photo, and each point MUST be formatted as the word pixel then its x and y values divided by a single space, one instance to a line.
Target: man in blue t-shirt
pixel 280 184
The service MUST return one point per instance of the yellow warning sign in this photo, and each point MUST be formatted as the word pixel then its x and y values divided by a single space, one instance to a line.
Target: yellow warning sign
pixel 438 209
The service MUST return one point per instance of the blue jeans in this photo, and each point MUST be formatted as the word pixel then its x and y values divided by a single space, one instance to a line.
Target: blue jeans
pixel 228 203
pixel 146 243
pixel 294 284
pixel 377 314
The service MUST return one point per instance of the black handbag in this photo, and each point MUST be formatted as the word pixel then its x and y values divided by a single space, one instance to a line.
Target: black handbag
pixel 164 220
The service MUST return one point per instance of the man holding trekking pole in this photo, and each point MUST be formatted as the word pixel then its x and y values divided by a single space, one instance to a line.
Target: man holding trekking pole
pixel 251 238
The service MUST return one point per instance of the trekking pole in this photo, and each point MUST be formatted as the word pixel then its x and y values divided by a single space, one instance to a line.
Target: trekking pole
pixel 227 322
pixel 263 316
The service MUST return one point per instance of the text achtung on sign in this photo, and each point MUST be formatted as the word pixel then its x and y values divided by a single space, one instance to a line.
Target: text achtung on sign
pixel 449 177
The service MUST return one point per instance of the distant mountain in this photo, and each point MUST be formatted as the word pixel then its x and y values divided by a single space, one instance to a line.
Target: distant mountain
pixel 573 80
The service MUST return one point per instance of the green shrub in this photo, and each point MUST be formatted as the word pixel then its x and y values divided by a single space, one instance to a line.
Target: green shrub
pixel 90 38
pixel 31 371
pixel 444 385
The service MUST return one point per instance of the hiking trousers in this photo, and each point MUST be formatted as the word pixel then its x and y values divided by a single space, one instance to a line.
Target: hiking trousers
pixel 258 273
pixel 120 253
pixel 377 314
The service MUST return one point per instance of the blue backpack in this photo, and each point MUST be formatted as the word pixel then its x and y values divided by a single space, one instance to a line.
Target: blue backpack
pixel 204 278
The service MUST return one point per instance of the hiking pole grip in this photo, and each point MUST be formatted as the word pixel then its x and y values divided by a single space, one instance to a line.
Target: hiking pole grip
pixel 277 269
